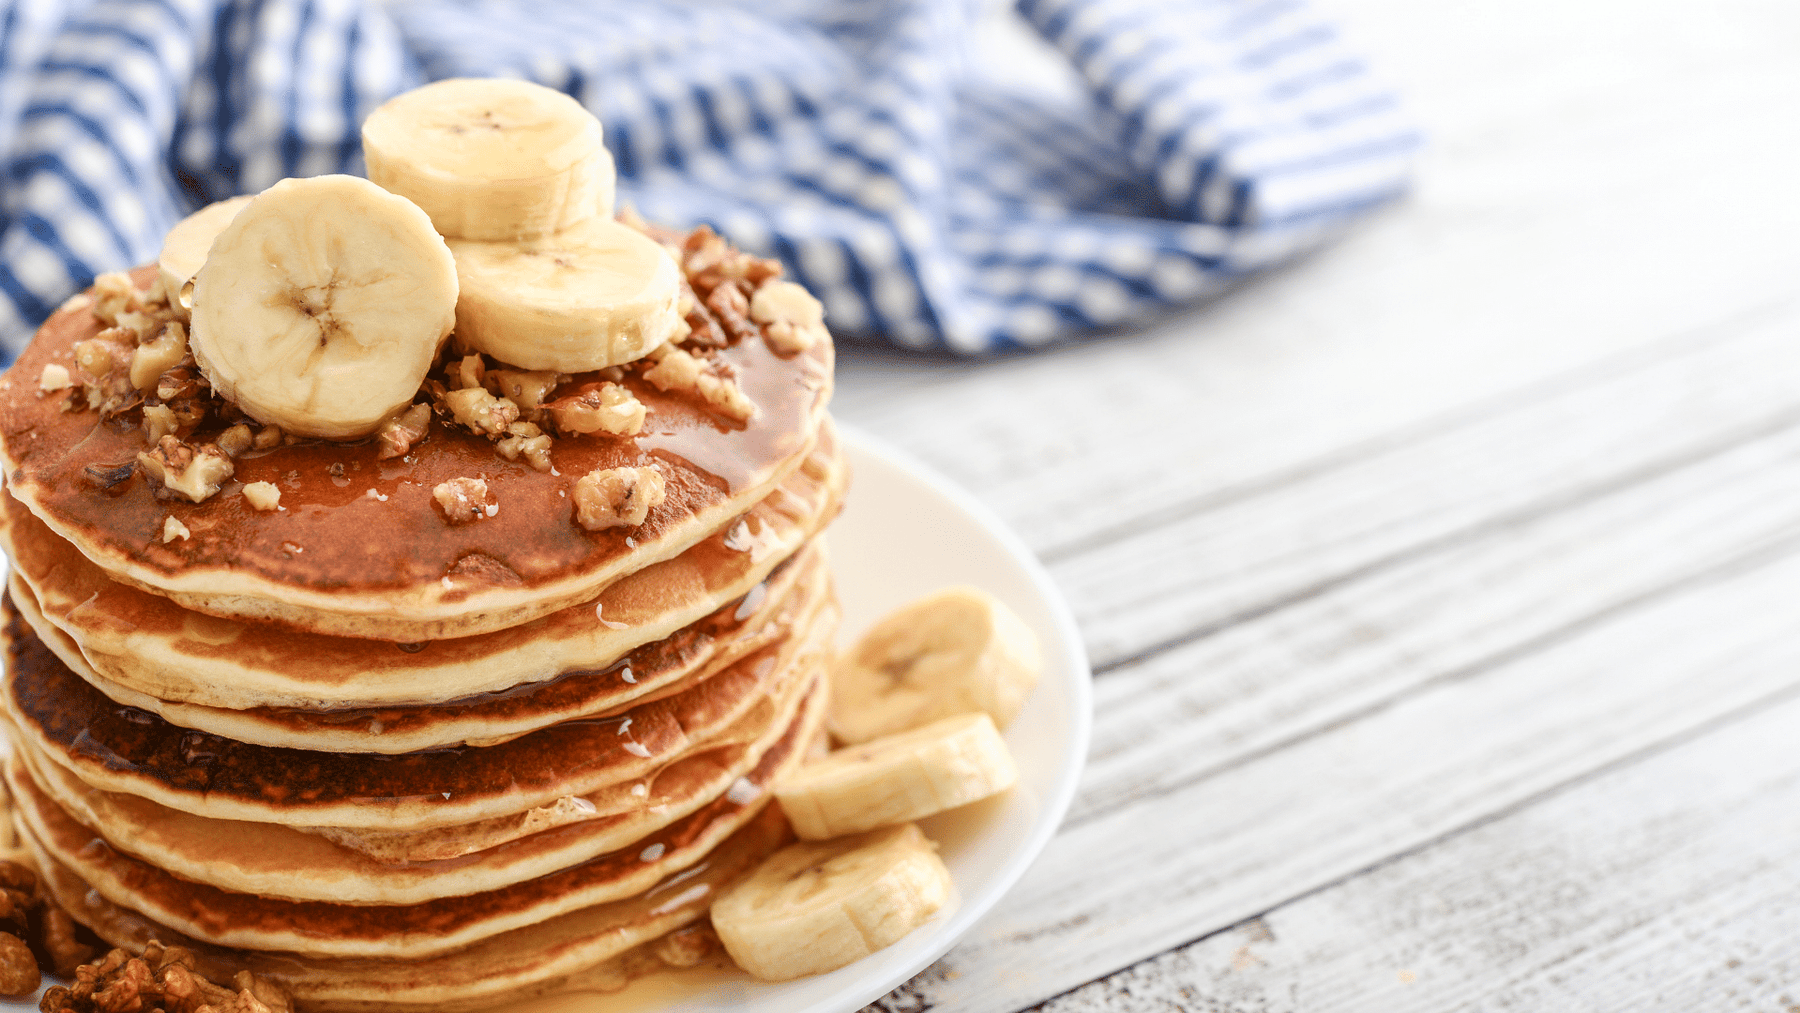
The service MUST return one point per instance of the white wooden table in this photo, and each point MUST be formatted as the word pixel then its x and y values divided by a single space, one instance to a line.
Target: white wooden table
pixel 1443 589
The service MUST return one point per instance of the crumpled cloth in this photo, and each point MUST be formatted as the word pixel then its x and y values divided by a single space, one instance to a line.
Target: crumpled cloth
pixel 929 195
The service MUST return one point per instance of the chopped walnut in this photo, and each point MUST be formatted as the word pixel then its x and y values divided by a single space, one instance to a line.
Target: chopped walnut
pixel 399 433
pixel 527 440
pixel 480 411
pixel 792 320
pixel 157 356
pixel 463 500
pixel 173 529
pixel 163 978
pixel 722 393
pixel 527 389
pixel 55 378
pixel 269 437
pixel 94 356
pixel 468 371
pixel 688 946
pixel 114 294
pixel 674 370
pixel 264 496
pixel 19 974
pixel 159 421
pixel 609 408
pixel 617 497
pixel 185 470
pixel 34 933
pixel 236 440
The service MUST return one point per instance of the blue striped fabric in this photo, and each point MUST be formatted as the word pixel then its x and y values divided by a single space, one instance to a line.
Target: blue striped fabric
pixel 931 198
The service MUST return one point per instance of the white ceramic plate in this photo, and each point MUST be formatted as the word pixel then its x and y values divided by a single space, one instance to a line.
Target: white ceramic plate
pixel 907 531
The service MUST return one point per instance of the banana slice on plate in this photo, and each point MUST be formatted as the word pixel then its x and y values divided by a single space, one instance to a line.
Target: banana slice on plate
pixel 491 158
pixel 321 305
pixel 185 247
pixel 594 295
pixel 905 776
pixel 958 650
pixel 812 908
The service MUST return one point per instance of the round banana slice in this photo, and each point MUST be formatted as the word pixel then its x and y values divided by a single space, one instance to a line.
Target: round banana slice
pixel 905 776
pixel 595 295
pixel 185 247
pixel 812 908
pixel 321 306
pixel 958 650
pixel 490 158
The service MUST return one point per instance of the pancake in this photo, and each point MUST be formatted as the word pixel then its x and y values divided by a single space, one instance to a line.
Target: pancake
pixel 282 862
pixel 123 749
pixel 335 928
pixel 792 596
pixel 148 644
pixel 360 549
pixel 540 958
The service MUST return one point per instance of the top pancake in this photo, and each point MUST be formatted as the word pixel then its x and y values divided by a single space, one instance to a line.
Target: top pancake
pixel 360 548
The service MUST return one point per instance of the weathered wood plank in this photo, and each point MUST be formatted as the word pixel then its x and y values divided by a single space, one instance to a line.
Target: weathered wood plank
pixel 1668 884
pixel 1189 856
pixel 1583 435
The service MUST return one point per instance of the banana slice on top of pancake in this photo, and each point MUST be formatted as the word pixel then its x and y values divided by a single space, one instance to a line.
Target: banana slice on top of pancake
pixel 322 304
pixel 185 248
pixel 594 295
pixel 491 158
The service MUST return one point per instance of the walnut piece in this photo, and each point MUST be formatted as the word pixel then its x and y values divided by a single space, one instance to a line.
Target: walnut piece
pixel 157 356
pixel 264 496
pixel 173 529
pixel 182 469
pixel 19 974
pixel 481 411
pixel 609 408
pixel 468 371
pixel 269 437
pixel 527 389
pixel 724 397
pixel 159 421
pixel 678 370
pixel 163 978
pixel 55 378
pixel 792 320
pixel 527 440
pixel 236 440
pixel 463 500
pixel 399 433
pixel 37 926
pixel 675 369
pixel 617 497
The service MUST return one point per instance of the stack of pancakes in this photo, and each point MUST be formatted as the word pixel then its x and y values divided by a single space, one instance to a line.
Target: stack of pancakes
pixel 389 762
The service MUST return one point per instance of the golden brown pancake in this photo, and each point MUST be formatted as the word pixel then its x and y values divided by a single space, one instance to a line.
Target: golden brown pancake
pixel 532 960
pixel 793 597
pixel 146 643
pixel 127 750
pixel 341 927
pixel 341 561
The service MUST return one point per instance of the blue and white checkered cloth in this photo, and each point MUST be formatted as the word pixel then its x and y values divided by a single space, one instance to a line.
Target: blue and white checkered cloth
pixel 925 196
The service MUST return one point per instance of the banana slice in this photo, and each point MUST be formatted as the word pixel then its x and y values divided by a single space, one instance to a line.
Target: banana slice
pixel 595 295
pixel 185 247
pixel 322 305
pixel 491 158
pixel 954 651
pixel 905 776
pixel 812 908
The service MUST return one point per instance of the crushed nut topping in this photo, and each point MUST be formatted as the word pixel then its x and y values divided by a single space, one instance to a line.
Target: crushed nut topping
pixel 792 320
pixel 35 934
pixel 675 369
pixel 398 435
pixel 236 440
pixel 173 529
pixel 185 470
pixel 608 408
pixel 463 500
pixel 163 978
pixel 264 496
pixel 617 497
pixel 678 370
pixel 468 371
pixel 55 378
pixel 528 441
pixel 481 412
pixel 157 356
pixel 269 437
pixel 527 389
